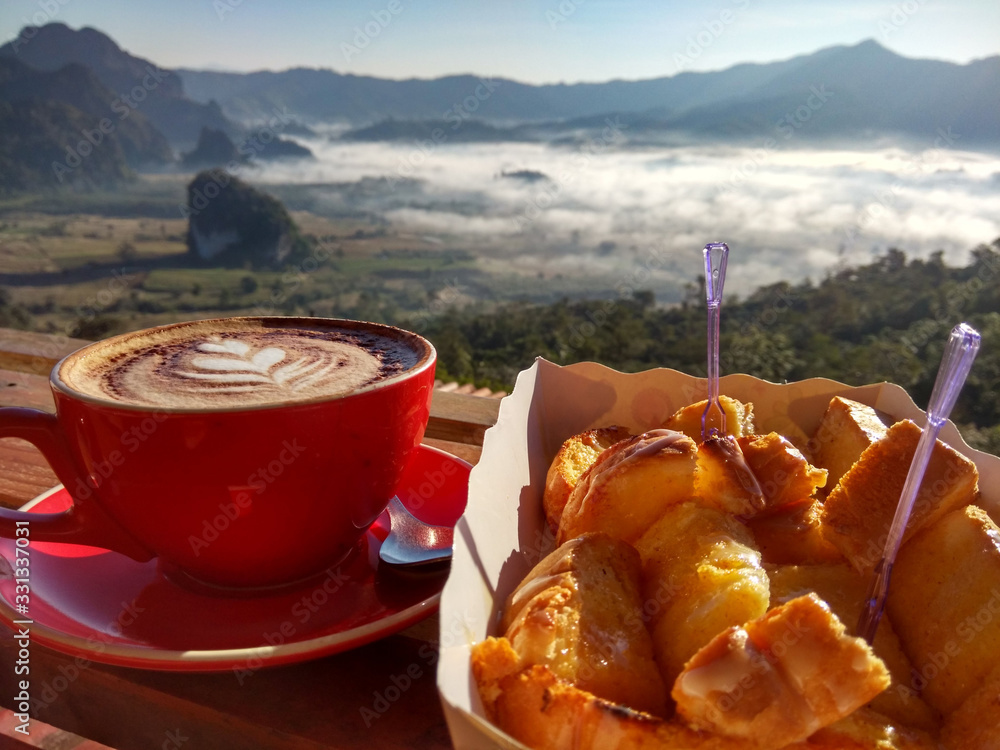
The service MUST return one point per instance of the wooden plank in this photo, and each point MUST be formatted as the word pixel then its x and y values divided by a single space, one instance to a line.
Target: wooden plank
pixel 378 696
pixel 470 453
pixel 461 418
pixel 25 389
pixel 35 353
pixel 40 735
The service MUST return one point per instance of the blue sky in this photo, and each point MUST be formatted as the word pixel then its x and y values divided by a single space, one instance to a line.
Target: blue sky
pixel 536 41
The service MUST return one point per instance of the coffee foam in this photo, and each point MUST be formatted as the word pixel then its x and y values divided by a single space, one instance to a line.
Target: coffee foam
pixel 238 362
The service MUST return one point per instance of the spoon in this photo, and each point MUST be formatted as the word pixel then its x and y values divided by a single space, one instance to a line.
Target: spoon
pixel 412 542
pixel 963 345
pixel 716 260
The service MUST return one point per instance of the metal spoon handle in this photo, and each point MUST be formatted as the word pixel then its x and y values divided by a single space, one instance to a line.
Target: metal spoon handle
pixel 716 259
pixel 960 352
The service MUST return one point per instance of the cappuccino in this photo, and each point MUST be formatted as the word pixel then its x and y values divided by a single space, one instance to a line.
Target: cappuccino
pixel 237 362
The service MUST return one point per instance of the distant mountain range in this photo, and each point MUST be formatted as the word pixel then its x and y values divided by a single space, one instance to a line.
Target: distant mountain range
pixel 862 91
pixel 57 84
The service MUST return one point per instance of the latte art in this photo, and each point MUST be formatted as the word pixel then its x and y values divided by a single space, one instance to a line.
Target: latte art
pixel 232 363
pixel 233 366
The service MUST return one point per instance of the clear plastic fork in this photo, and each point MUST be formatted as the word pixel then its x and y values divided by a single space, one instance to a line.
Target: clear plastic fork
pixel 960 352
pixel 714 427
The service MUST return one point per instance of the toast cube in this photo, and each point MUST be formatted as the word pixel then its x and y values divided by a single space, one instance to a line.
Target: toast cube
pixel 944 602
pixel 575 456
pixel 739 418
pixel 858 513
pixel 720 483
pixel 868 730
pixel 701 574
pixel 779 678
pixel 630 485
pixel 845 591
pixel 579 613
pixel 545 713
pixel 976 723
pixel 846 430
pixel 784 474
pixel 793 536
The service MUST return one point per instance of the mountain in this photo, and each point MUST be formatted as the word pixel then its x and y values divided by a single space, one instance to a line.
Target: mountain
pixel 34 155
pixel 77 86
pixel 139 84
pixel 864 91
pixel 231 223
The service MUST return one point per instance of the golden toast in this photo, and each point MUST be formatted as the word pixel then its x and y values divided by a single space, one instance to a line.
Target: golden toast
pixel 858 513
pixel 793 535
pixel 579 613
pixel 700 575
pixel 630 485
pixel 576 455
pixel 944 602
pixel 779 678
pixel 739 418
pixel 846 430
pixel 845 590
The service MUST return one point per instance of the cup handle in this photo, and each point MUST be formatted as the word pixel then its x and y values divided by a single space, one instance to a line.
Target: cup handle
pixel 85 522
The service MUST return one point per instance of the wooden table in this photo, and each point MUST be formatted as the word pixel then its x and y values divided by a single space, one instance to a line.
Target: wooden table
pixel 315 704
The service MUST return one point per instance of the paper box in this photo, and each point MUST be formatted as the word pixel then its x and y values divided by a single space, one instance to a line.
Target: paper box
pixel 503 533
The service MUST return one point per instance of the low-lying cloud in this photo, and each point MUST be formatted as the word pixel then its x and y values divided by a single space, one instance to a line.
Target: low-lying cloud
pixel 786 214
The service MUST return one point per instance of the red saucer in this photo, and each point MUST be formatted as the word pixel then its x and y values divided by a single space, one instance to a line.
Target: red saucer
pixel 105 607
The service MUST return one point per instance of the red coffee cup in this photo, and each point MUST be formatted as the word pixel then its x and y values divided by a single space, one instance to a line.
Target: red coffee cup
pixel 228 494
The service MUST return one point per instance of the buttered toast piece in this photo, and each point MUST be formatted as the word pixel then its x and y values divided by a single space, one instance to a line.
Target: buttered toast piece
pixel 579 613
pixel 700 575
pixel 630 485
pixel 858 513
pixel 784 474
pixel 846 430
pixel 869 730
pixel 739 418
pixel 844 590
pixel 575 456
pixel 545 713
pixel 780 678
pixel 944 602
pixel 721 483
pixel 792 535
pixel 976 723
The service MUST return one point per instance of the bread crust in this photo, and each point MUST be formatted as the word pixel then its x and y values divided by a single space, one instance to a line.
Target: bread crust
pixel 630 485
pixel 780 678
pixel 574 457
pixel 859 511
pixel 579 613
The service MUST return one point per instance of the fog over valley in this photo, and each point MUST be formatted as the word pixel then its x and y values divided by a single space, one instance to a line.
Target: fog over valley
pixel 603 210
